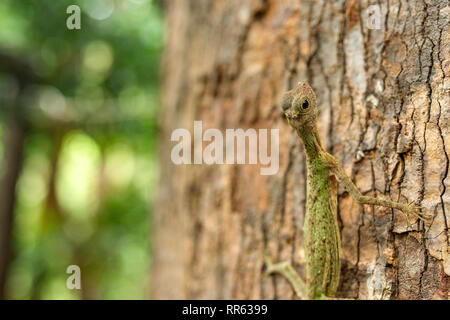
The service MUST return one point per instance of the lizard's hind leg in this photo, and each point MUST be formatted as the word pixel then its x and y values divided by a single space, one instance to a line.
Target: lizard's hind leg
pixel 286 269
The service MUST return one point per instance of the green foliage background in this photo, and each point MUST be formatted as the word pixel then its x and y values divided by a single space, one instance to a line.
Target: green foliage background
pixel 91 134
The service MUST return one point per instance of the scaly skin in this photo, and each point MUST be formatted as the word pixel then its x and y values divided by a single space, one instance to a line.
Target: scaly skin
pixel 321 231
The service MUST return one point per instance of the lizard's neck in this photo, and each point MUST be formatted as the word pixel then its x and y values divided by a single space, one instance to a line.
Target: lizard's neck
pixel 311 140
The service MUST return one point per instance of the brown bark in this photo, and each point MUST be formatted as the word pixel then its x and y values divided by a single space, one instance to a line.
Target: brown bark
pixel 12 108
pixel 13 149
pixel 384 113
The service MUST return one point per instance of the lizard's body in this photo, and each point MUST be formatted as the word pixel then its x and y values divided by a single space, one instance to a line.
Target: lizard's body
pixel 321 230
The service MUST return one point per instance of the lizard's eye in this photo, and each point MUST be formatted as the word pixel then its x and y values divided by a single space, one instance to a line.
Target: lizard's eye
pixel 305 104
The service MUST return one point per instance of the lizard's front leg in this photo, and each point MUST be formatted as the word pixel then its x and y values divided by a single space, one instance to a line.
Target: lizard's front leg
pixel 406 208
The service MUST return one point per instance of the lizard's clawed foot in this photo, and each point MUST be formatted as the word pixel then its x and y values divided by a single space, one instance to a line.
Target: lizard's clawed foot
pixel 413 210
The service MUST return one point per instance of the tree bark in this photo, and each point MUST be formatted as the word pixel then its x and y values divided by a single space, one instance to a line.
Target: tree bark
pixel 13 144
pixel 14 131
pixel 384 107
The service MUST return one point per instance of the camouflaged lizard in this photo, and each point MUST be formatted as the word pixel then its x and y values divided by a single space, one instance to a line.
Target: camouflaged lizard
pixel 321 230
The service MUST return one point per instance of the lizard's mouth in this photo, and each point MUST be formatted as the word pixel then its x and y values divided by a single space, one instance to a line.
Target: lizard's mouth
pixel 291 114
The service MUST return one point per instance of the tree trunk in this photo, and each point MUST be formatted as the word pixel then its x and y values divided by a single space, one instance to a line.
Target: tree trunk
pixel 14 131
pixel 13 144
pixel 383 96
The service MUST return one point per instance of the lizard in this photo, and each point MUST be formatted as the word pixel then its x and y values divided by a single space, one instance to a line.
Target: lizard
pixel 321 229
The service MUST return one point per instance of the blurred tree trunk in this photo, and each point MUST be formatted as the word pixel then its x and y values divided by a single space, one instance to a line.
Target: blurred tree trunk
pixel 12 161
pixel 384 107
pixel 14 132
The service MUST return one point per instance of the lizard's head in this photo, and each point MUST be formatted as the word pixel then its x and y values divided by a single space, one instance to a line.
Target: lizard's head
pixel 299 105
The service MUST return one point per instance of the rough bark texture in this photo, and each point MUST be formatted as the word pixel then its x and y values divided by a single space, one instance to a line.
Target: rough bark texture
pixel 384 113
